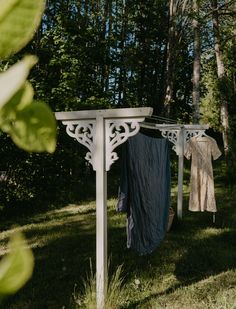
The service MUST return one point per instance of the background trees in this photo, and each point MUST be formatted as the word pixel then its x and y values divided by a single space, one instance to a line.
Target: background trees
pixel 127 53
pixel 122 53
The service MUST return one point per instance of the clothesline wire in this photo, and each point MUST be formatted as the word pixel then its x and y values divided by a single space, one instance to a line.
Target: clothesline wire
pixel 155 118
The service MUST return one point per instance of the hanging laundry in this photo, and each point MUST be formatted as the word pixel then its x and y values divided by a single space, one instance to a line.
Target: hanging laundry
pixel 145 191
pixel 202 194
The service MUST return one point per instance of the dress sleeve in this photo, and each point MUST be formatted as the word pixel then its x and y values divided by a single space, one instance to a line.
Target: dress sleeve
pixel 187 150
pixel 216 153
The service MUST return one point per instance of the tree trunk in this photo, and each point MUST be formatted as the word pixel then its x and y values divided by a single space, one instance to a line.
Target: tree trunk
pixel 105 36
pixel 224 114
pixel 170 58
pixel 196 63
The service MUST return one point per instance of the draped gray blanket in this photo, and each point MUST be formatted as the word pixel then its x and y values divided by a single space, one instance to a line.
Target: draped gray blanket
pixel 144 191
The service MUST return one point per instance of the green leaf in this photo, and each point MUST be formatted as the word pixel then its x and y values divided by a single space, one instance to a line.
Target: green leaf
pixel 31 126
pixel 20 100
pixel 14 78
pixel 34 128
pixel 19 20
pixel 16 267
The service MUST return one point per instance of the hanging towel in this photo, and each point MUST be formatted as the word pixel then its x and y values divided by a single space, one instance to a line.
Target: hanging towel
pixel 202 195
pixel 145 191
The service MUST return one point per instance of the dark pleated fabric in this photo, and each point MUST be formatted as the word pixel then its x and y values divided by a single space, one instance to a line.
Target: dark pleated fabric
pixel 145 191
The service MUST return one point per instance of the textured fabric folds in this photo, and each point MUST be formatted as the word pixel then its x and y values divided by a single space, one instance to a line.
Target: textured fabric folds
pixel 202 149
pixel 145 191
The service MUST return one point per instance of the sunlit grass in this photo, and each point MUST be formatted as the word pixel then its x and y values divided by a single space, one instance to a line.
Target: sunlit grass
pixel 40 228
pixel 114 295
pixel 217 291
pixel 194 267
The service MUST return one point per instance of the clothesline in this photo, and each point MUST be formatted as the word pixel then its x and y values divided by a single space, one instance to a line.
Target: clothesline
pixel 155 118
pixel 145 165
pixel 100 131
pixel 178 135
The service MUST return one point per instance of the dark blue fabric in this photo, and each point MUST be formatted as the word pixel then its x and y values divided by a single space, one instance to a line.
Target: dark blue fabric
pixel 145 191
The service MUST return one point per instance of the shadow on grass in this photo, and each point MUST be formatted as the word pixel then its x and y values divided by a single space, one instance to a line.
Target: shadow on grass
pixel 63 247
pixel 63 241
pixel 206 257
pixel 196 248
pixel 211 247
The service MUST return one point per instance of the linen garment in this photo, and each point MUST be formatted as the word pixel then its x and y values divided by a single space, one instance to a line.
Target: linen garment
pixel 202 149
pixel 144 191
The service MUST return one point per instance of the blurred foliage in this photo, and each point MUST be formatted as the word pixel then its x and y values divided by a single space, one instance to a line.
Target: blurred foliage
pixel 16 267
pixel 30 125
pixel 18 21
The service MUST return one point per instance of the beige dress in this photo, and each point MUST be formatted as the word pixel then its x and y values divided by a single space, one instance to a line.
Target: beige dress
pixel 202 194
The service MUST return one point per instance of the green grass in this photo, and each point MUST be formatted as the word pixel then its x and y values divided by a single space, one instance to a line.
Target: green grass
pixel 194 267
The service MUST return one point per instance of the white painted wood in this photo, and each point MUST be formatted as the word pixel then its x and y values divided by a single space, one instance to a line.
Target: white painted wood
pixel 117 132
pixel 176 126
pixel 101 214
pixel 84 132
pixel 180 151
pixel 105 113
pixel 172 136
pixel 101 132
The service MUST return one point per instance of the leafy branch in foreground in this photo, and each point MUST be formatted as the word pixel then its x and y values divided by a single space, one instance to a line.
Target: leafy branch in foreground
pixel 16 267
pixel 31 125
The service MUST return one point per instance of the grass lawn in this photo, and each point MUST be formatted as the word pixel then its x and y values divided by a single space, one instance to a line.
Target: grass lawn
pixel 194 267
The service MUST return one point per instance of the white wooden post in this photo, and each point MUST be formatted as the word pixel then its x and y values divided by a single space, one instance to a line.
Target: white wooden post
pixel 101 132
pixel 101 214
pixel 180 152
pixel 175 134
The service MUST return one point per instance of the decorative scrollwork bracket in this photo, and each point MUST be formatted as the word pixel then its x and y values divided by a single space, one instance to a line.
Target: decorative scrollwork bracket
pixel 179 141
pixel 188 134
pixel 84 132
pixel 117 132
pixel 172 136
